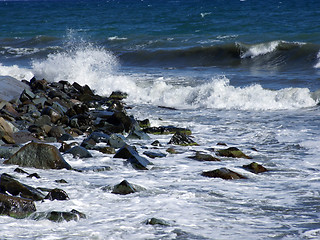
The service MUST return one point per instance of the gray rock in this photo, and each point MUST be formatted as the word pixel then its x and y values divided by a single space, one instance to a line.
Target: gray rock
pixel 125 187
pixel 80 152
pixel 116 141
pixel 56 216
pixel 15 206
pixel 56 131
pixel 38 155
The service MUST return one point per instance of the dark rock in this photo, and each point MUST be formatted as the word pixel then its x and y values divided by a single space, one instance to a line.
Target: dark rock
pixel 182 139
pixel 56 131
pixel 144 123
pixel 14 187
pixel 221 144
pixel 38 155
pixel 156 221
pixel 136 133
pixel 19 170
pixel 223 173
pixel 156 143
pixel 15 206
pixel 165 130
pixel 52 113
pixel 99 137
pixel 43 120
pixel 79 152
pixel 118 95
pixel 119 118
pixel 56 216
pixel 57 194
pixel 26 95
pixel 89 143
pixel 204 157
pixel 169 108
pixel 154 154
pixel 65 146
pixel 255 168
pixel 96 169
pixel 61 181
pixel 171 151
pixel 106 150
pixel 36 175
pixel 65 137
pixel 124 188
pixel 232 152
pixel 128 152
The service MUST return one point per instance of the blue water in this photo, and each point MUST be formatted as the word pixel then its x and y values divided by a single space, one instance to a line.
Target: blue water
pixel 246 73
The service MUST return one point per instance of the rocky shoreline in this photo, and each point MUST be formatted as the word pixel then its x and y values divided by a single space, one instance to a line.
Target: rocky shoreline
pixel 59 112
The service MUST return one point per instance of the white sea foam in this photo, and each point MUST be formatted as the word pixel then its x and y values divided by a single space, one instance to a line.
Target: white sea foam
pixel 16 72
pixel 116 38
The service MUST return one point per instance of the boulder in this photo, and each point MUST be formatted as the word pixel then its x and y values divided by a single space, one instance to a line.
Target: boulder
pixel 204 157
pixel 57 194
pixel 182 139
pixel 223 173
pixel 6 151
pixel 80 152
pixel 38 155
pixel 129 153
pixel 11 88
pixel 14 187
pixel 99 137
pixel 116 141
pixel 56 131
pixel 125 187
pixel 232 152
pixel 15 206
pixel 6 132
pixel 56 216
pixel 255 168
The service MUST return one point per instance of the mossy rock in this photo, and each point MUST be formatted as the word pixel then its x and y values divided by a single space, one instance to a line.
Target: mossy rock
pixel 255 168
pixel 232 152
pixel 166 130
pixel 223 173
pixel 204 157
pixel 16 207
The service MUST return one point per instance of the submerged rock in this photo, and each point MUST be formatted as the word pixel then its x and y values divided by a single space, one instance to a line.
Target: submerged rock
pixel 156 221
pixel 15 206
pixel 154 154
pixel 204 157
pixel 15 188
pixel 223 173
pixel 232 152
pixel 255 168
pixel 57 194
pixel 182 139
pixel 56 216
pixel 38 155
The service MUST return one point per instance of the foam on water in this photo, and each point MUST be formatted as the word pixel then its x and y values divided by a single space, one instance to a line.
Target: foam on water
pixel 16 72
pixel 260 49
pixel 318 61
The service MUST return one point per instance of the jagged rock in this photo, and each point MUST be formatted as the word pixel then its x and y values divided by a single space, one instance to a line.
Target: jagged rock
pixel 136 133
pixel 255 168
pixel 118 95
pixel 56 131
pixel 137 162
pixel 38 155
pixel 166 130
pixel 223 173
pixel 154 154
pixel 80 152
pixel 99 137
pixel 65 146
pixel 14 187
pixel 144 123
pixel 156 143
pixel 6 132
pixel 125 187
pixel 232 152
pixel 36 175
pixel 7 151
pixel 204 157
pixel 65 137
pixel 116 141
pixel 15 206
pixel 56 216
pixel 57 194
pixel 119 118
pixel 52 113
pixel 182 139
pixel 156 221
pixel 43 120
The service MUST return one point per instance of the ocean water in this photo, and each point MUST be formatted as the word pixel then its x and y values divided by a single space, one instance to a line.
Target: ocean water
pixel 246 73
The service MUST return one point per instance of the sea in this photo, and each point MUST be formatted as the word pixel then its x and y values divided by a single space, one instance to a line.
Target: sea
pixel 243 73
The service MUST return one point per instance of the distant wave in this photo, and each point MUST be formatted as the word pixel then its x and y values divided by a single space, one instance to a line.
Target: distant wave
pixel 318 63
pixel 270 54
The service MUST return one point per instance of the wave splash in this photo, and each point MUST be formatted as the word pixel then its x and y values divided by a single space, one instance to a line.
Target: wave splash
pixel 99 68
